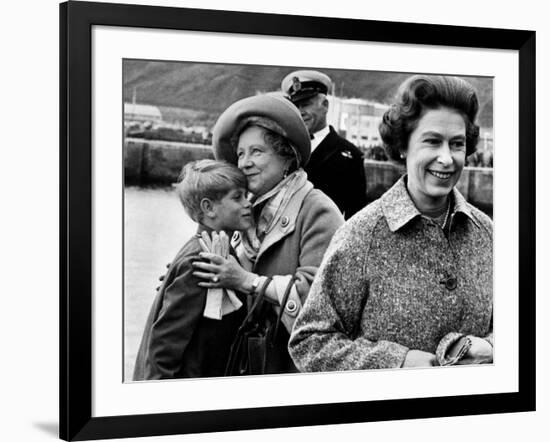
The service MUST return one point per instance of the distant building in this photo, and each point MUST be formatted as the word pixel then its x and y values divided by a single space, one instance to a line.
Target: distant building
pixel 141 113
pixel 356 119
pixel 483 157
pixel 485 139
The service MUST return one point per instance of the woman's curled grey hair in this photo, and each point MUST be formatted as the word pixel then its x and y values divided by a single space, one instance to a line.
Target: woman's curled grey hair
pixel 274 137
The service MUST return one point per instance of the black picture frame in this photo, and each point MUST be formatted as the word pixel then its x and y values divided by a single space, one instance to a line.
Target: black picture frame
pixel 76 240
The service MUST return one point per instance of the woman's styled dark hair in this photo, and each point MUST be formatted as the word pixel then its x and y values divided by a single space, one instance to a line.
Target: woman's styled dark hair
pixel 420 93
pixel 273 137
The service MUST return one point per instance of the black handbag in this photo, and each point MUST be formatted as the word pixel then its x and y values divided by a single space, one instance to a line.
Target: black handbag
pixel 250 350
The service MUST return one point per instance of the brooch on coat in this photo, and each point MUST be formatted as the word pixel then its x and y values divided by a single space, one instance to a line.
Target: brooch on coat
pixel 347 154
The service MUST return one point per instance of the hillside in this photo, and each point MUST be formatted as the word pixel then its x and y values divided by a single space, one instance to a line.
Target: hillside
pixel 198 92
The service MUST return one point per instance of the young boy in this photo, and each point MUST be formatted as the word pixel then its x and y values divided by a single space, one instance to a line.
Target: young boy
pixel 180 340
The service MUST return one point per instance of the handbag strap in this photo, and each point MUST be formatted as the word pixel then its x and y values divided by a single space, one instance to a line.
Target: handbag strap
pixel 230 365
pixel 283 305
pixel 256 303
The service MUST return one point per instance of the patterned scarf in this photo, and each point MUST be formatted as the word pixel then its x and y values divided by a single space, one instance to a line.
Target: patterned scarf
pixel 267 210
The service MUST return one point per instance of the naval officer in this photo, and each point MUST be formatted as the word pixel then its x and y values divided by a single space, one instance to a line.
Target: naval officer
pixel 336 165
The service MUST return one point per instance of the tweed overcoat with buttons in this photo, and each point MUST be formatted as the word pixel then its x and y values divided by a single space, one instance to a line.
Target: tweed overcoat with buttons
pixel 295 246
pixel 384 286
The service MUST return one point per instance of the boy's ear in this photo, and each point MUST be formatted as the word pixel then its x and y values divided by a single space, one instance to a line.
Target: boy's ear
pixel 207 208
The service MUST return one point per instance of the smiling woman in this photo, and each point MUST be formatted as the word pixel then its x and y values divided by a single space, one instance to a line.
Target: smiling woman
pixel 435 157
pixel 407 282
pixel 263 166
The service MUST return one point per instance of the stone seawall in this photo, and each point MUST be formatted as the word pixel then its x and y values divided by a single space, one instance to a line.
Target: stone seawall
pixel 151 161
pixel 160 162
pixel 475 183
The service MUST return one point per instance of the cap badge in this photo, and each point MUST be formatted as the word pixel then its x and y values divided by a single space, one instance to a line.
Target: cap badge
pixel 296 85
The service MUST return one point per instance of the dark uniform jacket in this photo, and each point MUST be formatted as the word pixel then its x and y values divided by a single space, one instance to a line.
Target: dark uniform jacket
pixel 178 341
pixel 336 167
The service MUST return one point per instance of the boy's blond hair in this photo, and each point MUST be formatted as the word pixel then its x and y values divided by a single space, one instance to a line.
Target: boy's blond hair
pixel 206 179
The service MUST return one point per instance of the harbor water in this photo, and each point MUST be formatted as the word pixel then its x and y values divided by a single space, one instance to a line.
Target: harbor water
pixel 155 228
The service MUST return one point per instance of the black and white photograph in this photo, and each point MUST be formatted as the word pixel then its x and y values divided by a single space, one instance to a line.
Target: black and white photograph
pixel 287 219
pixel 175 171
pixel 278 221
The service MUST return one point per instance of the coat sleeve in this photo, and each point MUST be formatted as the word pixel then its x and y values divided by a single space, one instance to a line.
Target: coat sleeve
pixel 486 224
pixel 326 335
pixel 182 307
pixel 320 220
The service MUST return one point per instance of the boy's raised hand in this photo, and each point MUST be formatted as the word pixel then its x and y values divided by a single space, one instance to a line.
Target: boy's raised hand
pixel 205 242
pixel 224 244
pixel 218 244
pixel 215 243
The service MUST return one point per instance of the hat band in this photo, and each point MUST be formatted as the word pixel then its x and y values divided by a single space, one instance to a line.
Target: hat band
pixel 308 86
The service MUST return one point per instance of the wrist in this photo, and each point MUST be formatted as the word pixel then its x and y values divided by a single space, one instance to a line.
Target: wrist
pixel 252 283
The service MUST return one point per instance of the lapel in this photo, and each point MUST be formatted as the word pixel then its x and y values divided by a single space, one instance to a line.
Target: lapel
pixel 324 151
pixel 399 208
pixel 287 221
pixel 397 205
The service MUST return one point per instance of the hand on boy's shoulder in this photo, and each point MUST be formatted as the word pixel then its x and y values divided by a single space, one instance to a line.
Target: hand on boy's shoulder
pixel 163 276
pixel 184 254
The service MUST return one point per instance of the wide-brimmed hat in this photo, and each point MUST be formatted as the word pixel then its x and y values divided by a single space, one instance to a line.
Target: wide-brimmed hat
pixel 299 85
pixel 287 119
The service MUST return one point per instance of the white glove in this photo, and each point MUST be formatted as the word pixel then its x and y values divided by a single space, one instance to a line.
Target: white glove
pixel 219 301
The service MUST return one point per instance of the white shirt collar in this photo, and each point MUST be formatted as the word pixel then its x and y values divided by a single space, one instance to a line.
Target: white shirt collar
pixel 318 137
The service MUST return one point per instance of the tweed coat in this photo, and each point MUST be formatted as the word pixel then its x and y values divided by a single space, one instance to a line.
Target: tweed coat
pixel 294 247
pixel 392 281
pixel 178 341
pixel 336 167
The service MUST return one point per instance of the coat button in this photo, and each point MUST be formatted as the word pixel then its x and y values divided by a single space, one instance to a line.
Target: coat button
pixel 291 306
pixel 449 281
pixel 284 221
pixel 450 284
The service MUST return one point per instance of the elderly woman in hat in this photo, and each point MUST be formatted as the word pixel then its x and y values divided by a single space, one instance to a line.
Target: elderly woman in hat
pixel 407 282
pixel 294 222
